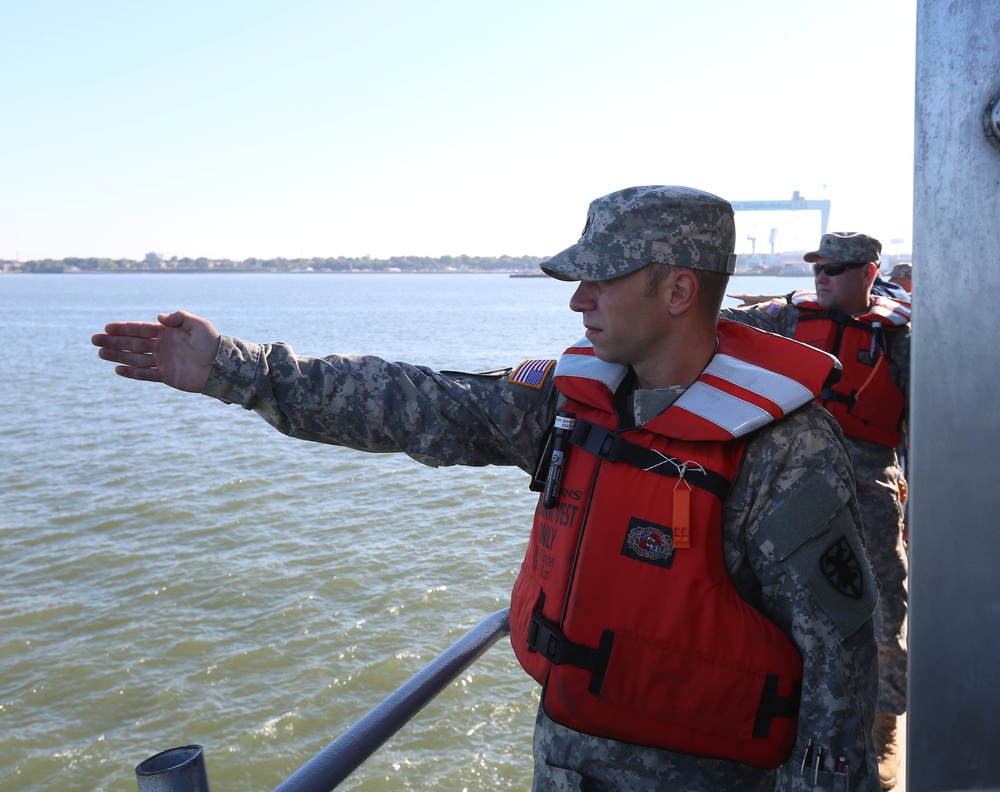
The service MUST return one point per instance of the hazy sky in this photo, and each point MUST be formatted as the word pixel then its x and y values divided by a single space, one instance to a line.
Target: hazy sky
pixel 381 127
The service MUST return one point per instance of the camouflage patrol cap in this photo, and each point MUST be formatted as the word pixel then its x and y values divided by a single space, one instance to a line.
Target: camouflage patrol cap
pixel 847 246
pixel 903 270
pixel 631 228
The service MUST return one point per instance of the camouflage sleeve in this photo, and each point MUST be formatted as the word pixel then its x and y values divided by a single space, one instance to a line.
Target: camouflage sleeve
pixel 804 565
pixel 773 316
pixel 369 404
pixel 899 360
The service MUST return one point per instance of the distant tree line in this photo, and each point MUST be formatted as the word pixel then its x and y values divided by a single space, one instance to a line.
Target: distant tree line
pixel 154 263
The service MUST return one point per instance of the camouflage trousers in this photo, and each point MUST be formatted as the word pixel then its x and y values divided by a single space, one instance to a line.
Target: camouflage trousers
pixel 570 761
pixel 878 478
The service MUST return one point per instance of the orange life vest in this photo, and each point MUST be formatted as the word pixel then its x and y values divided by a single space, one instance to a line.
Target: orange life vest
pixel 623 609
pixel 865 401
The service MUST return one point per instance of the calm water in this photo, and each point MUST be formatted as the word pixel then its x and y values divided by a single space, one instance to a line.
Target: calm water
pixel 174 571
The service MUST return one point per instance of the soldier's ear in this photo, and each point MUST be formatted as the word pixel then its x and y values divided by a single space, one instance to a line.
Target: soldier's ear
pixel 682 292
pixel 871 273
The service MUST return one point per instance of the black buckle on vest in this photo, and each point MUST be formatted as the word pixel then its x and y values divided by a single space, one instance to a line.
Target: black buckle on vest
pixel 829 394
pixel 598 441
pixel 612 447
pixel 774 706
pixel 547 639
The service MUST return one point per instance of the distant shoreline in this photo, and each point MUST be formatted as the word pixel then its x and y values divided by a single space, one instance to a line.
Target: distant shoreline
pixel 153 262
pixel 262 272
pixel 788 264
pixel 178 271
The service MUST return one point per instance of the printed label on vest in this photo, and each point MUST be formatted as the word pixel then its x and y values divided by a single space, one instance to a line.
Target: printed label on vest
pixel 648 542
pixel 550 522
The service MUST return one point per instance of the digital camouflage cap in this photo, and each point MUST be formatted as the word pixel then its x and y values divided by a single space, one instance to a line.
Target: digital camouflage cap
pixel 847 247
pixel 631 228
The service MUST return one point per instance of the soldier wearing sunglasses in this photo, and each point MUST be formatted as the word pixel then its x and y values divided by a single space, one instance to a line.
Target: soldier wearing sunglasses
pixel 870 334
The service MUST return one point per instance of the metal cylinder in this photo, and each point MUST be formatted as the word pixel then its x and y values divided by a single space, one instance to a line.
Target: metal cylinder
pixel 179 769
pixel 953 708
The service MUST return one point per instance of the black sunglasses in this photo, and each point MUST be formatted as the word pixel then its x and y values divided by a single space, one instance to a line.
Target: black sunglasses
pixel 833 270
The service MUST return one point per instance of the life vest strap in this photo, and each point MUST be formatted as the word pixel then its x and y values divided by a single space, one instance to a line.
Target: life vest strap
pixel 545 637
pixel 772 705
pixel 829 394
pixel 612 447
pixel 840 317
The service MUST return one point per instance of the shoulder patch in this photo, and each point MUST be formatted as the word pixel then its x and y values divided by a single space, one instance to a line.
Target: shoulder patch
pixel 841 567
pixel 812 532
pixel 774 307
pixel 532 373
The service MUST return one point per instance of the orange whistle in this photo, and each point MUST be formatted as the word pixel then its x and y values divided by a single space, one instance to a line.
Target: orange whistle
pixel 682 515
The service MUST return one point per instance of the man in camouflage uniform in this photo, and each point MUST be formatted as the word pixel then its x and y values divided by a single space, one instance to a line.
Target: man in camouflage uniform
pixel 653 263
pixel 902 276
pixel 881 486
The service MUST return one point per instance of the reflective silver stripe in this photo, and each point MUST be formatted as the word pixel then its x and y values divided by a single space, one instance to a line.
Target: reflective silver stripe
pixel 736 416
pixel 731 413
pixel 783 391
pixel 896 312
pixel 590 367
pixel 718 407
pixel 883 307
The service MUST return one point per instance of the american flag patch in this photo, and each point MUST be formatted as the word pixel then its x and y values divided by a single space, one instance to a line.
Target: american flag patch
pixel 774 307
pixel 532 373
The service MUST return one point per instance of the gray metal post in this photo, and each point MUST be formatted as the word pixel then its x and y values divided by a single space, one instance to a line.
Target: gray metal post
pixel 174 770
pixel 953 720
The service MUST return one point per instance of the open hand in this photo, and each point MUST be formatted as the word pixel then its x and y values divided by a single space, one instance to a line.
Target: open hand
pixel 177 350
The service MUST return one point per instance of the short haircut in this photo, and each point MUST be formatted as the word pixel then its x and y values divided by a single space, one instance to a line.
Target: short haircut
pixel 711 285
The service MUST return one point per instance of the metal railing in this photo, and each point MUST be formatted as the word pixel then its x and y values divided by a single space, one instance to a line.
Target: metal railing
pixel 183 769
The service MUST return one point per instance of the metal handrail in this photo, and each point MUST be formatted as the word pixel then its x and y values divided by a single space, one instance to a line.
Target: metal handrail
pixel 351 749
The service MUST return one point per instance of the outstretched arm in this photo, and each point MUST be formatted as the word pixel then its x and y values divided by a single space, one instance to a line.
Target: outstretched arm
pixel 177 350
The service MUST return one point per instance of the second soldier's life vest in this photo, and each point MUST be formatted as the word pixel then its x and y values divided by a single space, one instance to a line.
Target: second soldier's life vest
pixel 623 609
pixel 865 401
